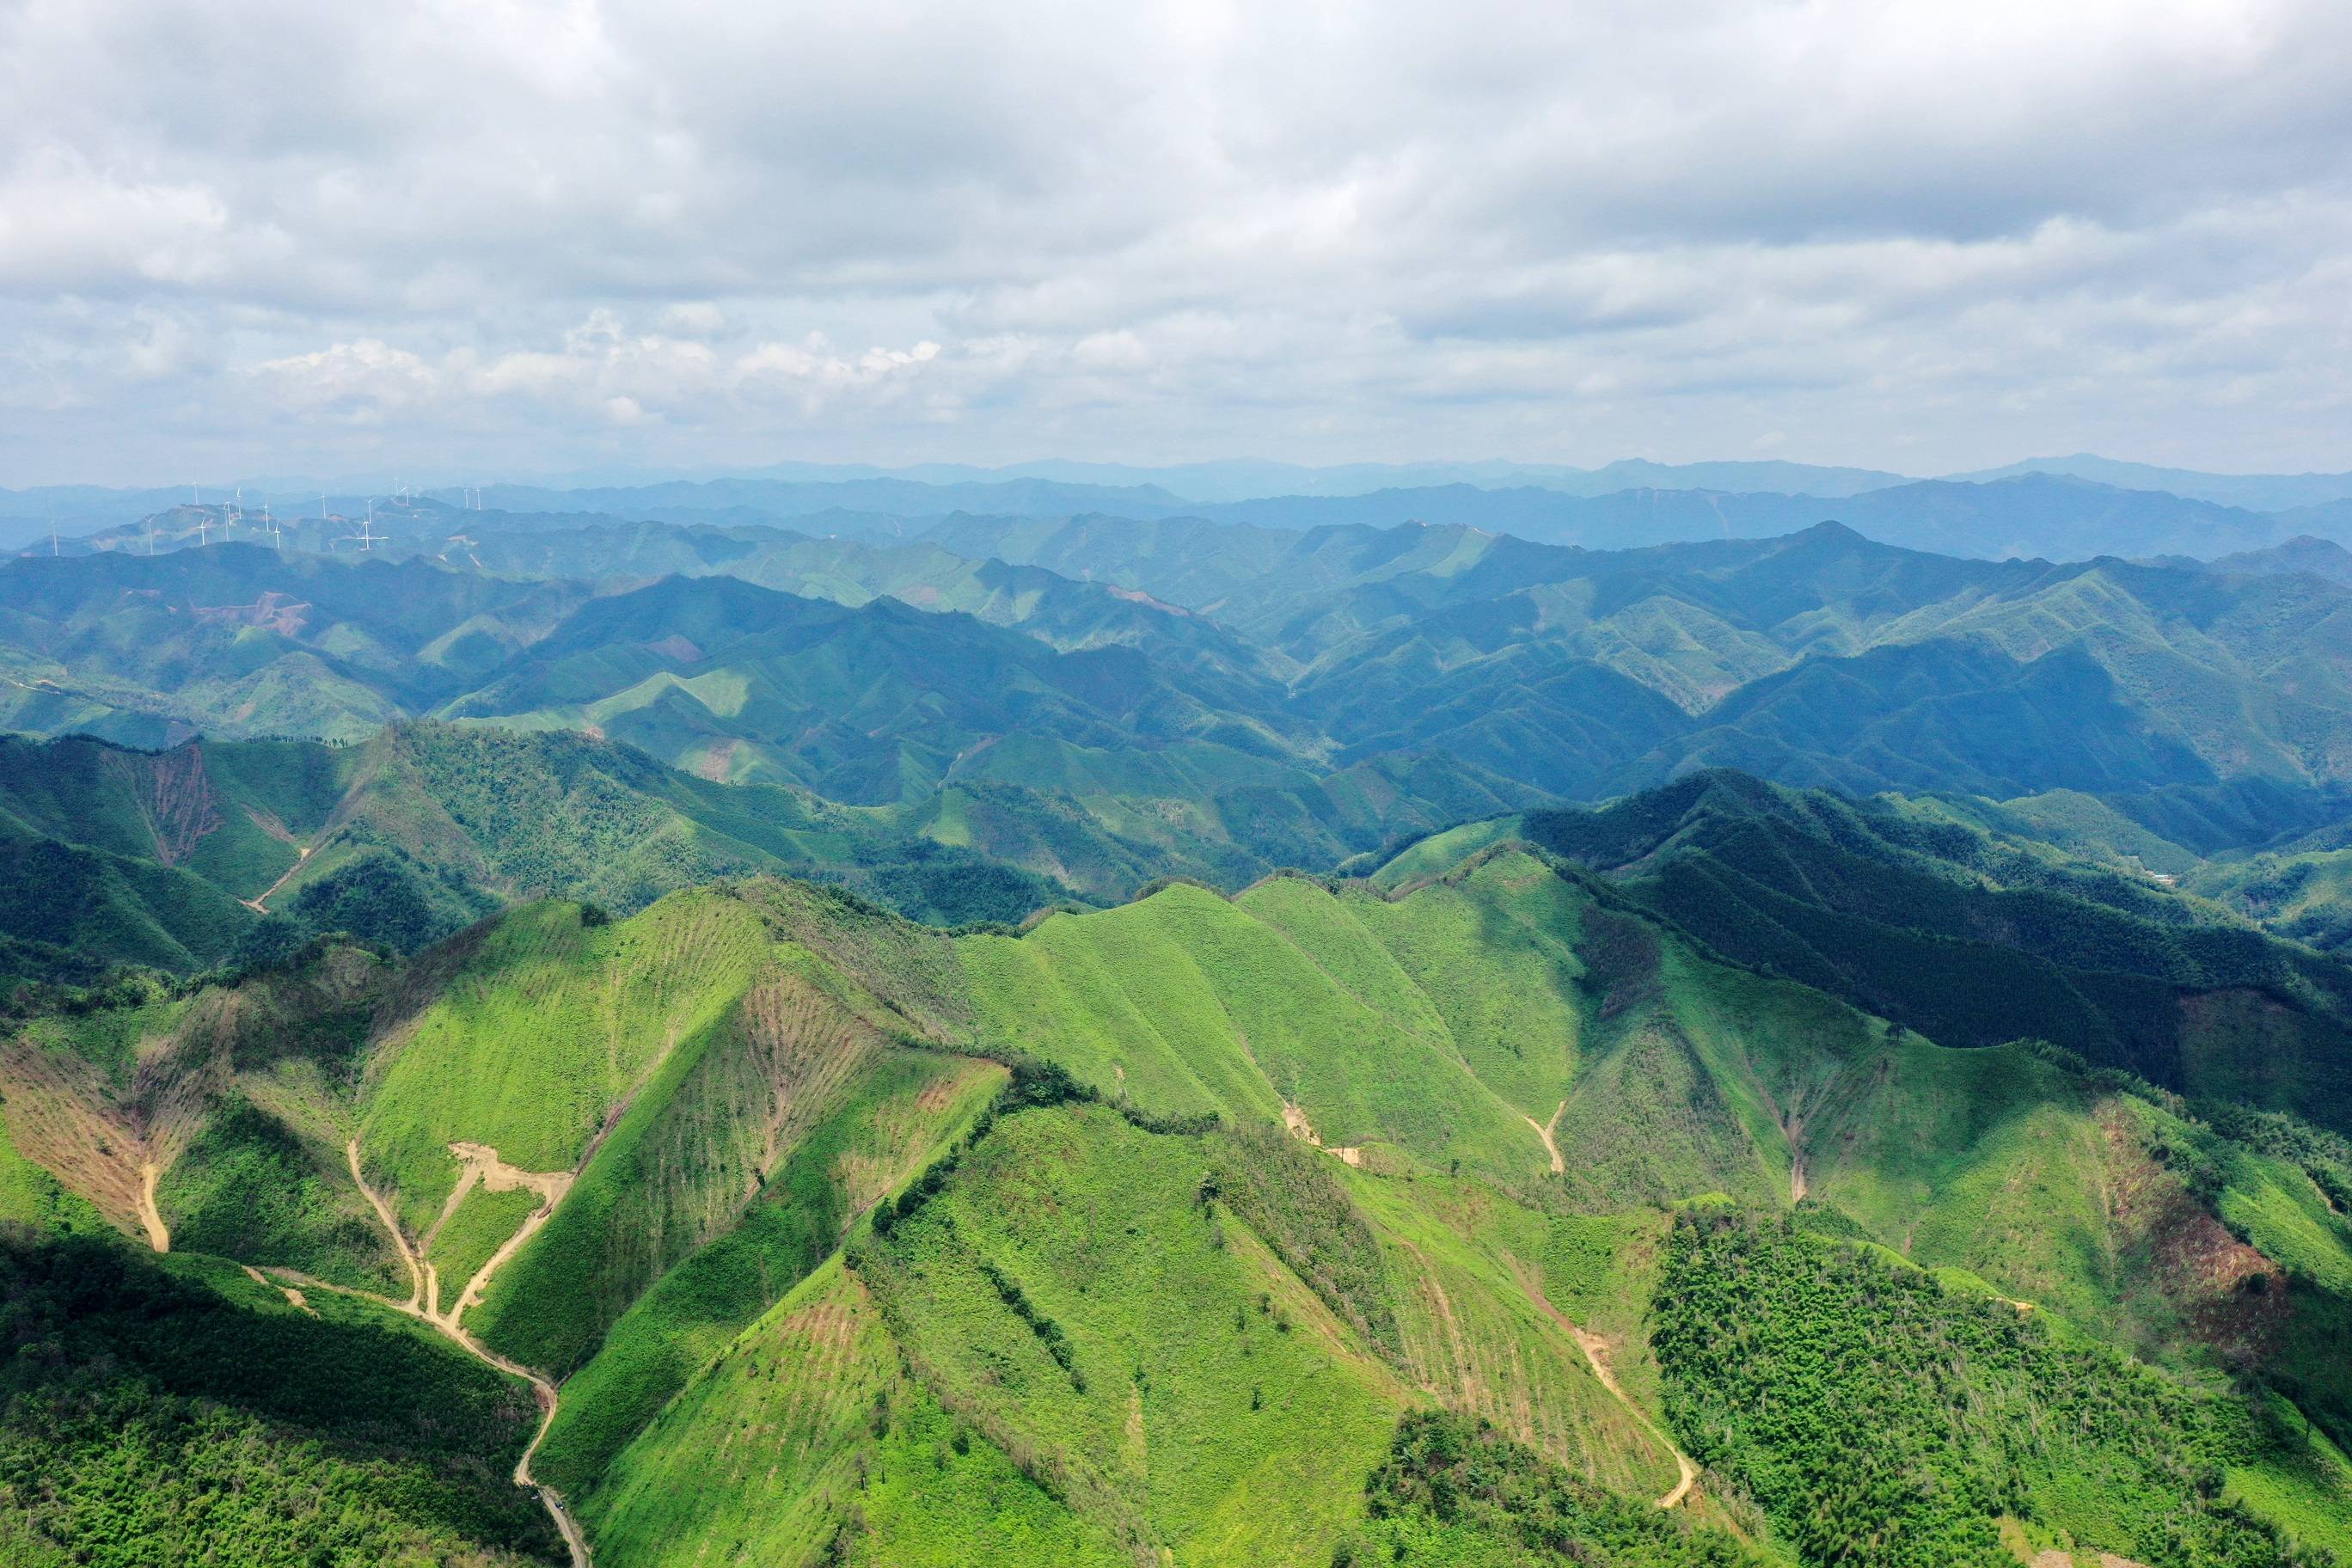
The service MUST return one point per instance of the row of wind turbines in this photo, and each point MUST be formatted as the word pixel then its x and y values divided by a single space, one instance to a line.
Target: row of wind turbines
pixel 233 514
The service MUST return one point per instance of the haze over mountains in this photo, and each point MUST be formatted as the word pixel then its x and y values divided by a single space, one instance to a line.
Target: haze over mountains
pixel 2061 508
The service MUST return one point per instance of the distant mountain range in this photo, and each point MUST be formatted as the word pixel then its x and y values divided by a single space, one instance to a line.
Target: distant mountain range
pixel 2253 492
pixel 2063 508
pixel 1171 659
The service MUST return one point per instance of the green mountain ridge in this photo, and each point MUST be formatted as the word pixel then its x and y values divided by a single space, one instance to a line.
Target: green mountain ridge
pixel 1319 1223
pixel 232 851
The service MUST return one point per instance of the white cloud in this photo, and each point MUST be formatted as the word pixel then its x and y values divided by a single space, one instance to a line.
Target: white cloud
pixel 596 367
pixel 694 319
pixel 496 233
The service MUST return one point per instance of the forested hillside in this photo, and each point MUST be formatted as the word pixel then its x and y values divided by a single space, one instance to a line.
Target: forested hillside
pixel 1915 911
pixel 1461 1212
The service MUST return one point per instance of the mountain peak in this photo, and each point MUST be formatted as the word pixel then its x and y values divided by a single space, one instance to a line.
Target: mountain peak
pixel 1830 532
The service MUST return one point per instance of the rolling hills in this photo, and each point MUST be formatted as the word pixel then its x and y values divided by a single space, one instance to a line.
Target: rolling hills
pixel 1818 658
pixel 2060 509
pixel 1199 661
pixel 973 740
pixel 237 851
pixel 940 1036
pixel 1459 1212
pixel 1918 914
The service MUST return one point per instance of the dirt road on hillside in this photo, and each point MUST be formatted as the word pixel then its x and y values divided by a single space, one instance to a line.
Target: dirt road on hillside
pixel 259 902
pixel 1545 1130
pixel 1596 1355
pixel 447 1324
pixel 414 1305
pixel 159 1236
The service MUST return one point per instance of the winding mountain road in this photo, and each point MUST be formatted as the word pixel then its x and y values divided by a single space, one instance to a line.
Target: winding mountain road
pixel 159 1236
pixel 1596 1355
pixel 447 1326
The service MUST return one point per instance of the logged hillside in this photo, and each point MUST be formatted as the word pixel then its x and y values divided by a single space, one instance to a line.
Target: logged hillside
pixel 1460 1213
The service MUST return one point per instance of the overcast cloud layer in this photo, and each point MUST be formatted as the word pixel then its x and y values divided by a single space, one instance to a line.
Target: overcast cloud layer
pixel 498 236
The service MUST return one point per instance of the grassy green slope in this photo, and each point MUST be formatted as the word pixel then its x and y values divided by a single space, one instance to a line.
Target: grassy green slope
pixel 253 1186
pixel 1108 1328
pixel 1186 1003
pixel 1179 1003
pixel 822 1416
pixel 1481 1329
pixel 788 1073
pixel 1185 1364
pixel 1202 1398
pixel 889 1124
pixel 1494 952
pixel 540 1033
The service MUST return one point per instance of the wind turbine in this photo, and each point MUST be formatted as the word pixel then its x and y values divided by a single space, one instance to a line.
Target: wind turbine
pixel 366 535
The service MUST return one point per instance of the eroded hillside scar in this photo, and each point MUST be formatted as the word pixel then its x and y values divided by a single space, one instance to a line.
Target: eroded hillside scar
pixel 494 1175
pixel 1293 1119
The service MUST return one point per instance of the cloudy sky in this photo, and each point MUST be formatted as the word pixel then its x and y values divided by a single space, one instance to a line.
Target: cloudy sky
pixel 504 236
